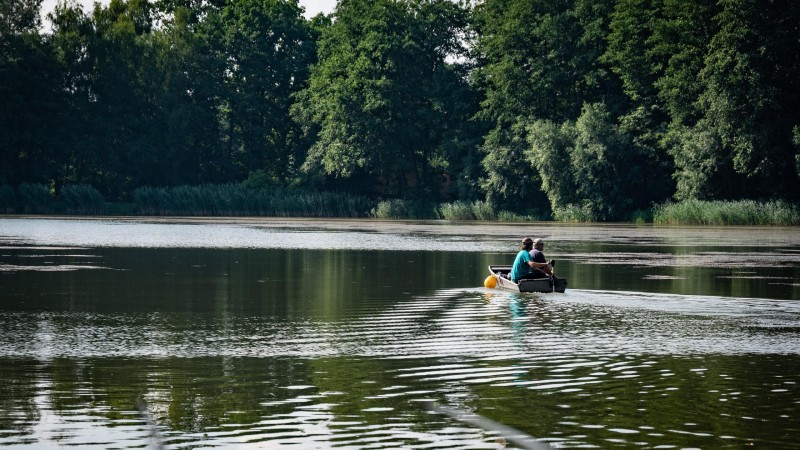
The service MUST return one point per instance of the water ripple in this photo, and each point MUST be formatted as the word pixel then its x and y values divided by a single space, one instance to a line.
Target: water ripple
pixel 466 324
pixel 585 362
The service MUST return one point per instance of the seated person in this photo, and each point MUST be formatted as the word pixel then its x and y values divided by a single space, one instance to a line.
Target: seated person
pixel 524 264
pixel 538 256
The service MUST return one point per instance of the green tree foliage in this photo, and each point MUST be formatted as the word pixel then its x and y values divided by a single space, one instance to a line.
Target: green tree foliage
pixel 713 85
pixel 18 17
pixel 188 104
pixel 796 142
pixel 537 60
pixel 121 105
pixel 113 135
pixel 178 92
pixel 511 183
pixel 749 105
pixel 639 53
pixel 591 164
pixel 268 48
pixel 629 49
pixel 72 38
pixel 587 109
pixel 384 103
pixel 29 93
pixel 551 148
pixel 678 44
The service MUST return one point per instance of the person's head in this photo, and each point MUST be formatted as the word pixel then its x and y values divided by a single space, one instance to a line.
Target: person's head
pixel 527 244
pixel 538 244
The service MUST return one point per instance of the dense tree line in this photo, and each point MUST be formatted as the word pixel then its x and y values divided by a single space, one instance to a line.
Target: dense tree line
pixel 600 107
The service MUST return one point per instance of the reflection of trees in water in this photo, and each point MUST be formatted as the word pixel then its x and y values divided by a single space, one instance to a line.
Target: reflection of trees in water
pixel 331 306
pixel 190 399
pixel 18 410
pixel 543 364
pixel 196 394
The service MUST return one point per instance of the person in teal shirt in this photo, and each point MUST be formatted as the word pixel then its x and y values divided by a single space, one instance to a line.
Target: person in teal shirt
pixel 524 263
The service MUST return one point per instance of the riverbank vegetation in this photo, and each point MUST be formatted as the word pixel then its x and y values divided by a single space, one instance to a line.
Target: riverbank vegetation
pixel 236 200
pixel 494 110
pixel 742 212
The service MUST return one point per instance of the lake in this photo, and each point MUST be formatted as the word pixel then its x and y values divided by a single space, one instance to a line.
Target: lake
pixel 265 333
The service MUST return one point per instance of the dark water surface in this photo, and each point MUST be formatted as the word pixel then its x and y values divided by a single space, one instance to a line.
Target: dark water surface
pixel 371 334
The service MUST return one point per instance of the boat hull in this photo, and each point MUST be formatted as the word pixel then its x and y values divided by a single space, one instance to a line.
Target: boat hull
pixel 534 285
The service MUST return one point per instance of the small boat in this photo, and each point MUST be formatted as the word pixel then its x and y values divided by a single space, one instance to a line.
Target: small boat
pixel 501 275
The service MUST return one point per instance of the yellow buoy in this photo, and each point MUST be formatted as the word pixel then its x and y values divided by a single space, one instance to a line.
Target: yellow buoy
pixel 490 282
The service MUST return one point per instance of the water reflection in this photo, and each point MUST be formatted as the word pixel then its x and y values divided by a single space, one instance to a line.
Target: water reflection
pixel 340 255
pixel 572 371
pixel 263 346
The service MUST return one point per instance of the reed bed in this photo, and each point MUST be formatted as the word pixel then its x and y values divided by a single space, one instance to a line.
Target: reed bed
pixel 461 210
pixel 35 198
pixel 8 200
pixel 457 210
pixel 742 212
pixel 237 200
pixel 81 199
pixel 574 213
pixel 508 216
pixel 405 209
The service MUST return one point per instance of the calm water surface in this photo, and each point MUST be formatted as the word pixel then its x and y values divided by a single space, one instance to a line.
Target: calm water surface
pixel 370 334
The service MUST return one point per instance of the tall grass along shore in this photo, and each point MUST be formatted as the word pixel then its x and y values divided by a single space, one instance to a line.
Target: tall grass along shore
pixel 240 200
pixel 205 200
pixel 742 212
pixel 236 200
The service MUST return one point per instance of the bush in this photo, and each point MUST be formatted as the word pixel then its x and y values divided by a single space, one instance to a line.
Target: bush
pixel 260 180
pixel 82 199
